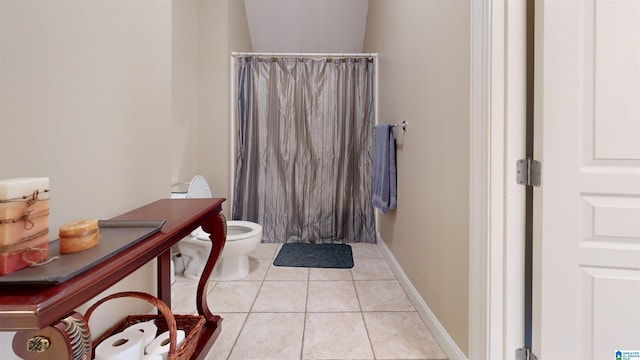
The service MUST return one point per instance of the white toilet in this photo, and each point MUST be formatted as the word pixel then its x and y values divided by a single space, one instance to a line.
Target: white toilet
pixel 242 238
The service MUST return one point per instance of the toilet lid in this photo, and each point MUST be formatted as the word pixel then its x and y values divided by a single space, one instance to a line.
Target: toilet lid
pixel 198 188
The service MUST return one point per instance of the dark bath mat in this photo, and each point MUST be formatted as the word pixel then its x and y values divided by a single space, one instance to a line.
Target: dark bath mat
pixel 338 256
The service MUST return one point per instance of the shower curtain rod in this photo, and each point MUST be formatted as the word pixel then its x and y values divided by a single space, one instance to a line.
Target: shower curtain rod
pixel 329 55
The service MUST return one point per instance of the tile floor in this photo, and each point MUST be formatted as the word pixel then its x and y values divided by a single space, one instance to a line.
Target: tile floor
pixel 299 313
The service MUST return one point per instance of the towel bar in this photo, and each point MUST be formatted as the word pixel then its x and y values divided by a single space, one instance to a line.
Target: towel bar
pixel 404 125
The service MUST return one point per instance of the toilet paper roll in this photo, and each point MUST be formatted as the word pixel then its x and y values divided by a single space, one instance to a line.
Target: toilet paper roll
pixel 152 357
pixel 148 329
pixel 121 346
pixel 160 345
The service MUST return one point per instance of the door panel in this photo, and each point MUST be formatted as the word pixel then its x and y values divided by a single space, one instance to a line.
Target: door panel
pixel 617 71
pixel 587 211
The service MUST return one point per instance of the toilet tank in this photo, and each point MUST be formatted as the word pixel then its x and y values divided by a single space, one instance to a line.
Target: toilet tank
pixel 179 190
pixel 178 195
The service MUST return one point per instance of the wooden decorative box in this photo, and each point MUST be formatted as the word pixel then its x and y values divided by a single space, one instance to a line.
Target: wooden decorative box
pixel 24 223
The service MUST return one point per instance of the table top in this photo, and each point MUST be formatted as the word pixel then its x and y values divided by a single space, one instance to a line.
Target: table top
pixel 115 236
pixel 37 306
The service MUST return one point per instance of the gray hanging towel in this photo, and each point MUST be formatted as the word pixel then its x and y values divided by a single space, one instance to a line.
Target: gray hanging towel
pixel 384 169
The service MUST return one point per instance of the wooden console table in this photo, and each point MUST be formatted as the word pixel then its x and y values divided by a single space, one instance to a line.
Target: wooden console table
pixel 38 310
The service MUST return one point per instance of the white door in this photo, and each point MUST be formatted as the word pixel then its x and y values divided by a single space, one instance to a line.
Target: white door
pixel 587 212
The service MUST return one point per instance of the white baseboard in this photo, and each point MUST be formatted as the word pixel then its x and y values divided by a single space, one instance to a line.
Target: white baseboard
pixel 449 347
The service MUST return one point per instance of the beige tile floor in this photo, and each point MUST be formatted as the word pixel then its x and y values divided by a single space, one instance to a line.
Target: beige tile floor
pixel 299 313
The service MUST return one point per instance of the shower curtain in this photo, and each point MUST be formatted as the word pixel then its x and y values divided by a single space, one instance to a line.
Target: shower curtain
pixel 304 148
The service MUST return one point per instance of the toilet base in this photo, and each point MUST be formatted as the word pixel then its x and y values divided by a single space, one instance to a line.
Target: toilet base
pixel 193 263
pixel 231 268
pixel 226 269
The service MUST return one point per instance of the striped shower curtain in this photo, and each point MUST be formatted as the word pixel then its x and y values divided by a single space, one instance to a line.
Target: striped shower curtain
pixel 304 148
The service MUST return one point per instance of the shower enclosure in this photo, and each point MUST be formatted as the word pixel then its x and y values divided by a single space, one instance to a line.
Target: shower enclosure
pixel 303 146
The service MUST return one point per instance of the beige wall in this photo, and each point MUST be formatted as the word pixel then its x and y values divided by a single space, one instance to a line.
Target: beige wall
pixel 205 32
pixel 85 99
pixel 184 117
pixel 222 29
pixel 424 60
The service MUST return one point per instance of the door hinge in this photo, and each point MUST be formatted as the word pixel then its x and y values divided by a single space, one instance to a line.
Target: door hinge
pixel 528 172
pixel 525 354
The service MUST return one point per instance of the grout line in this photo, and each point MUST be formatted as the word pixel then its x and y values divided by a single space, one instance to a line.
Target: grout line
pixel 364 322
pixel 306 310
pixel 235 340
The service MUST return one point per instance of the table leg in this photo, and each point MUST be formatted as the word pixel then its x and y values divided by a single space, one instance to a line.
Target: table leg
pixel 216 226
pixel 164 277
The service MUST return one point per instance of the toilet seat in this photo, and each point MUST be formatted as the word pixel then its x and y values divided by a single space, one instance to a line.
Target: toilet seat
pixel 233 233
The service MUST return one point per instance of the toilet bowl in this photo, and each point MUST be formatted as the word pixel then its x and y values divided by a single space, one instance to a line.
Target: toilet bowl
pixel 242 238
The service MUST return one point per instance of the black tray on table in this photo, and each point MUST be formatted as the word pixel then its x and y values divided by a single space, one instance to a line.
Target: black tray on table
pixel 115 236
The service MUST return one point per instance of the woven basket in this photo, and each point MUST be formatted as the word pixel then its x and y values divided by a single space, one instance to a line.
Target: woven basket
pixel 191 324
